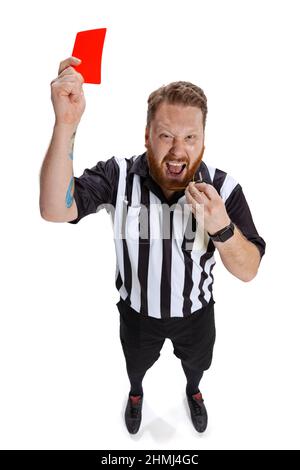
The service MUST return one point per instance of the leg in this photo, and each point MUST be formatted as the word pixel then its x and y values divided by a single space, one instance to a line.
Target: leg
pixel 141 344
pixel 193 345
pixel 136 384
pixel 193 378
pixel 141 341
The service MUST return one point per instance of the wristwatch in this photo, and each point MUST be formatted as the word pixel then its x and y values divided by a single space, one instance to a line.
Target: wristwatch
pixel 223 234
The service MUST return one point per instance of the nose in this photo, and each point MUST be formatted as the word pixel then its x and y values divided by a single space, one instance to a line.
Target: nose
pixel 178 148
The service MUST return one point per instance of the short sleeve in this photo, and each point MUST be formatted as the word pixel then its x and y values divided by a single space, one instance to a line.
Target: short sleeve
pixel 240 214
pixel 96 187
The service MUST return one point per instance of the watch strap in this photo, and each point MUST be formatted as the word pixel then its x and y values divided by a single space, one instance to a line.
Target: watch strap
pixel 223 234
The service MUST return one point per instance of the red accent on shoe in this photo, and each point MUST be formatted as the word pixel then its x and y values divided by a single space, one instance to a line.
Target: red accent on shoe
pixel 198 396
pixel 135 400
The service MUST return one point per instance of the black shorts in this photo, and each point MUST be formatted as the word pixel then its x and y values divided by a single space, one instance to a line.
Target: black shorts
pixel 142 338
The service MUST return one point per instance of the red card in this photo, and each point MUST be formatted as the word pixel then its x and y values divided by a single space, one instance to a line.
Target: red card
pixel 88 47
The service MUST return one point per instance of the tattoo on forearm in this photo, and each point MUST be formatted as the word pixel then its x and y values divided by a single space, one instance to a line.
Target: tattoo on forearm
pixel 70 192
pixel 72 146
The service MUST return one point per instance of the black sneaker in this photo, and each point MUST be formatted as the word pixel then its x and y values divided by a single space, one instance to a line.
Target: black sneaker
pixel 133 413
pixel 198 411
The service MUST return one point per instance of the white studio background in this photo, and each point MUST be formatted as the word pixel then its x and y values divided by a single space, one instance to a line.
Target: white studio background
pixel 63 378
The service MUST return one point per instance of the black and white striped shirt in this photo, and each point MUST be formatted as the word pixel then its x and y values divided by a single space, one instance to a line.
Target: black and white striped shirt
pixel 159 274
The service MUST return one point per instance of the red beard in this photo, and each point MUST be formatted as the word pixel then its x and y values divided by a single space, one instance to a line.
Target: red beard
pixel 159 171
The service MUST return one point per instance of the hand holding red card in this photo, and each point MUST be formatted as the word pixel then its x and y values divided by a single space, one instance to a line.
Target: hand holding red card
pixel 88 47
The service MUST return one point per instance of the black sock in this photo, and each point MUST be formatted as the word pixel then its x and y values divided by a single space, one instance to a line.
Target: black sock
pixel 193 379
pixel 136 384
pixel 191 390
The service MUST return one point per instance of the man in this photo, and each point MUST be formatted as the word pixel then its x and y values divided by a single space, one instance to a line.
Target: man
pixel 165 254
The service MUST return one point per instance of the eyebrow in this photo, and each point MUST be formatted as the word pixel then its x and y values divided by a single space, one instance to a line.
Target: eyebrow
pixel 190 131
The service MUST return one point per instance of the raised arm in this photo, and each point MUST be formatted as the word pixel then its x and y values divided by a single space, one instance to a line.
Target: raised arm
pixel 57 203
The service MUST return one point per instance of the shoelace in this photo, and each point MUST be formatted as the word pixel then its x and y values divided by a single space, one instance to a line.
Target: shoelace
pixel 197 401
pixel 135 408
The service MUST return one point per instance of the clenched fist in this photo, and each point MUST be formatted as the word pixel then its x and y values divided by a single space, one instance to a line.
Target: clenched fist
pixel 212 209
pixel 67 94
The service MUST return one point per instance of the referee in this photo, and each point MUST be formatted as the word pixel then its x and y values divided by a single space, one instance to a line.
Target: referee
pixel 170 212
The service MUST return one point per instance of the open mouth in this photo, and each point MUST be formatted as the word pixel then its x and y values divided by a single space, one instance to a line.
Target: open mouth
pixel 175 168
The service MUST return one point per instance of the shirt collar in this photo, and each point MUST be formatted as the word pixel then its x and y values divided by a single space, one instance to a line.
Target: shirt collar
pixel 140 166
